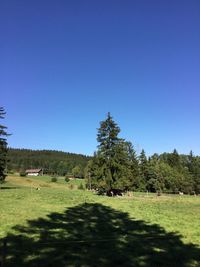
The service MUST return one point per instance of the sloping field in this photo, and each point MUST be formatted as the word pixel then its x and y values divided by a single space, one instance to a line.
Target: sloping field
pixel 41 181
pixel 30 182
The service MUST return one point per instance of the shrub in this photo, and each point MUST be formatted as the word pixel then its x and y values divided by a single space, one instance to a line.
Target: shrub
pixel 101 192
pixel 67 179
pixel 22 174
pixel 54 179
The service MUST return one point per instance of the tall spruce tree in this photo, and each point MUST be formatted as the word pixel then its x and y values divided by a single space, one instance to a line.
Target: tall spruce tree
pixel 174 159
pixel 143 163
pixel 114 166
pixel 3 146
pixel 143 168
pixel 108 151
pixel 107 137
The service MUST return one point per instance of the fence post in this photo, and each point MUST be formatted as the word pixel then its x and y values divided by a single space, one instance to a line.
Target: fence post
pixel 3 253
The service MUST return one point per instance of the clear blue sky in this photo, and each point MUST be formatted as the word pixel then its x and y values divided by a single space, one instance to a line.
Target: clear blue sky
pixel 65 64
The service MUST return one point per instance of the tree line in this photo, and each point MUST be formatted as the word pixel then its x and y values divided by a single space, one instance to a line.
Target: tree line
pixel 52 162
pixel 116 165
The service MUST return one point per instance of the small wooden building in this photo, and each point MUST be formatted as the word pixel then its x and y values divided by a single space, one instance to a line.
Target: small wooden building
pixel 34 172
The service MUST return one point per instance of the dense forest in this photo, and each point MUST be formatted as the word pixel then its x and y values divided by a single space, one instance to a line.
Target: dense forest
pixel 116 165
pixel 52 162
pixel 170 172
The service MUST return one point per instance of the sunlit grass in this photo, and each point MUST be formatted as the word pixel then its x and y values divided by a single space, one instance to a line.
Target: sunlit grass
pixel 20 201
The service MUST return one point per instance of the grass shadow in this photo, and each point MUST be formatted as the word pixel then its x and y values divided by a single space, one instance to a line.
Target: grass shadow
pixel 96 235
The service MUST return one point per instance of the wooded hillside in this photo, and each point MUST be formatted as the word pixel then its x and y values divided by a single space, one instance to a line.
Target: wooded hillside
pixel 53 162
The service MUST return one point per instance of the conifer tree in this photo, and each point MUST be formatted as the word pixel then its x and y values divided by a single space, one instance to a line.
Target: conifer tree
pixel 109 150
pixel 108 137
pixel 174 159
pixel 3 146
pixel 114 166
pixel 143 163
pixel 143 168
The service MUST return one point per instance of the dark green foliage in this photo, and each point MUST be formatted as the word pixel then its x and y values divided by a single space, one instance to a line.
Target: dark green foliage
pixel 77 172
pixel 193 164
pixel 107 137
pixel 184 173
pixel 67 179
pixel 54 179
pixel 52 162
pixel 3 147
pixel 143 169
pixel 115 164
pixel 22 173
pixel 174 160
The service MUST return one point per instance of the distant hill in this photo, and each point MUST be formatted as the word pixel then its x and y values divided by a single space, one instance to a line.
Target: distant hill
pixel 53 162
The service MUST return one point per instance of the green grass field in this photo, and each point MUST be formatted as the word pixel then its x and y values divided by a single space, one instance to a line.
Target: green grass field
pixel 60 225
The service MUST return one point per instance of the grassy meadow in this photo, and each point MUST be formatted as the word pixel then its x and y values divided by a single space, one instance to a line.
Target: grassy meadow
pixel 60 225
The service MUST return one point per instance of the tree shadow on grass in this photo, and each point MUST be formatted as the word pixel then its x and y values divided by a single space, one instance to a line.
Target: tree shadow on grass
pixel 96 235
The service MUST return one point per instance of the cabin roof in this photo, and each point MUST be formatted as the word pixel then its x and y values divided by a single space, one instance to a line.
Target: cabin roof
pixel 33 170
